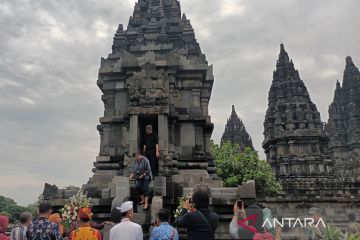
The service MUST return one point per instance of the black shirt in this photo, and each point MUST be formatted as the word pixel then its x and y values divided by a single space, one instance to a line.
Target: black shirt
pixel 197 227
pixel 150 140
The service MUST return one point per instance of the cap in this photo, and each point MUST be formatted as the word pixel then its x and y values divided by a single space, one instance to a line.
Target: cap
pixel 149 127
pixel 126 206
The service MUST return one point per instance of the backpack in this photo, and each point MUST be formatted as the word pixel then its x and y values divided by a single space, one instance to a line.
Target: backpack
pixel 263 236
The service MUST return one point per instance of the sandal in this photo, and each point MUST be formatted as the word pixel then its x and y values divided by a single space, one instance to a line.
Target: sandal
pixel 141 203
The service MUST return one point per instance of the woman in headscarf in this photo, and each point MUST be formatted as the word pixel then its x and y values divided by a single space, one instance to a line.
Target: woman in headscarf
pixel 56 218
pixel 4 223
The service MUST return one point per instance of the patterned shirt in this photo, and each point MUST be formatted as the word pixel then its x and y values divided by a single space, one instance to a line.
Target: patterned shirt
pixel 43 229
pixel 164 232
pixel 18 233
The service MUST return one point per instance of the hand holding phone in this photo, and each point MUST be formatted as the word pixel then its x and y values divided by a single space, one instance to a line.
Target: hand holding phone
pixel 240 204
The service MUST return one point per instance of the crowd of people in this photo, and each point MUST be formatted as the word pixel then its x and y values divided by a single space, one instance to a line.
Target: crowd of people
pixel 196 217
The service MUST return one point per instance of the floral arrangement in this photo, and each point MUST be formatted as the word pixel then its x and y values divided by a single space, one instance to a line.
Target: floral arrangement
pixel 69 212
pixel 178 210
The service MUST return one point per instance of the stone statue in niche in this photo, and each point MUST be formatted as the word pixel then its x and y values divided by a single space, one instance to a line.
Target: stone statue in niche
pixel 148 88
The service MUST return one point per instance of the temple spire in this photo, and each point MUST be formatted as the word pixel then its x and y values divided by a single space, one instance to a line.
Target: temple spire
pixel 344 121
pixel 160 27
pixel 351 74
pixel 283 56
pixel 175 9
pixel 285 67
pixel 349 61
pixel 119 39
pixel 235 132
pixel 292 120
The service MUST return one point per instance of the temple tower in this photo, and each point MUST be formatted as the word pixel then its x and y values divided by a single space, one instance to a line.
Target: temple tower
pixel 156 74
pixel 235 132
pixel 344 124
pixel 295 142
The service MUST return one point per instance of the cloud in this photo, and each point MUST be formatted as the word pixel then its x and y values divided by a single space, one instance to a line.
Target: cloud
pixel 50 56
pixel 231 8
pixel 27 100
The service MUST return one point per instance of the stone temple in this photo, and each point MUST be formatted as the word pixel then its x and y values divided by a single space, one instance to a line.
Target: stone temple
pixel 295 142
pixel 156 74
pixel 344 125
pixel 235 132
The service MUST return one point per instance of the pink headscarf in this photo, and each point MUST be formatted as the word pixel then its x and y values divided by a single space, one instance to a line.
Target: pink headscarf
pixel 4 222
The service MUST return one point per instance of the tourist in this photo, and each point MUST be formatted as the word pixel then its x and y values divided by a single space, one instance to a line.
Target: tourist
pixel 19 233
pixel 151 148
pixel 4 223
pixel 236 230
pixel 354 227
pixel 126 229
pixel 42 228
pixel 163 230
pixel 85 231
pixel 142 174
pixel 115 218
pixel 202 223
pixel 253 228
pixel 56 218
pixel 315 231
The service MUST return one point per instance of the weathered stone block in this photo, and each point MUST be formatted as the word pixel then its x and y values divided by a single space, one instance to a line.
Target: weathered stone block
pixel 160 186
pixel 156 205
pixel 247 190
pixel 120 187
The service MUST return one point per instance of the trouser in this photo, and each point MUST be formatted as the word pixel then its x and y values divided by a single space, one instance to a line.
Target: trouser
pixel 151 155
pixel 143 187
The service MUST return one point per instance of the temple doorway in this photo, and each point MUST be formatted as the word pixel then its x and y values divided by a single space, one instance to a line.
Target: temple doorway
pixel 145 120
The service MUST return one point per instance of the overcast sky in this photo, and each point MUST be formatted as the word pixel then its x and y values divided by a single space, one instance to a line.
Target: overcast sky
pixel 50 55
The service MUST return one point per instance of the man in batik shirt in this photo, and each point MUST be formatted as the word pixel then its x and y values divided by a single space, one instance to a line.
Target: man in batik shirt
pixel 42 228
pixel 163 230
pixel 85 231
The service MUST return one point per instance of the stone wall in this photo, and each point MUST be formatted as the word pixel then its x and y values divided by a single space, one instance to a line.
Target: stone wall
pixel 334 211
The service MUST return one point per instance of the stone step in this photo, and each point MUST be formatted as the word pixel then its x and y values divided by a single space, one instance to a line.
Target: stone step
pixel 107 166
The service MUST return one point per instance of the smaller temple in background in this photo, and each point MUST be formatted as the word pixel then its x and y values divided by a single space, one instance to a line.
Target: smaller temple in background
pixel 235 132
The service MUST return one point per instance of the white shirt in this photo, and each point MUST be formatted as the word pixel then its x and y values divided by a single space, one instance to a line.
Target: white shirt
pixel 126 230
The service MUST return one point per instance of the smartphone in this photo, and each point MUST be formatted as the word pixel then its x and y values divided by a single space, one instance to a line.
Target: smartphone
pixel 239 204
